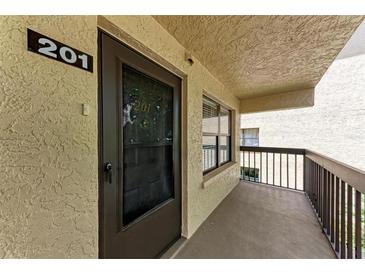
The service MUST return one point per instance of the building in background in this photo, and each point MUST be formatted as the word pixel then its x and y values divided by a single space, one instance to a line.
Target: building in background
pixel 335 125
pixel 250 137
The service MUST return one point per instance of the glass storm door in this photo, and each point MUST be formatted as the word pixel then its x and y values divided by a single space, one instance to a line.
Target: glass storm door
pixel 140 186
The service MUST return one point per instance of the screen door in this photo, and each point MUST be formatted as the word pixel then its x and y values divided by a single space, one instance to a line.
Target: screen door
pixel 140 185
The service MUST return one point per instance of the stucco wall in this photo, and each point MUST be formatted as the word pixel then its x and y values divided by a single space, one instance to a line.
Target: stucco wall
pixel 334 126
pixel 48 150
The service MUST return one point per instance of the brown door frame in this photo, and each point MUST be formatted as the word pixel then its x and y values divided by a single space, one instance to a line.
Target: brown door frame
pixel 101 172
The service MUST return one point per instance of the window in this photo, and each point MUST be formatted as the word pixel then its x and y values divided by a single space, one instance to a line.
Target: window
pixel 250 137
pixel 216 135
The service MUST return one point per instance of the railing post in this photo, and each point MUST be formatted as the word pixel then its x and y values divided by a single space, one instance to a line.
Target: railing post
pixel 304 174
pixel 260 167
pixel 267 168
pixel 328 206
pixel 287 170
pixel 254 166
pixel 332 213
pixel 337 237
pixel 320 190
pixel 295 171
pixel 280 169
pixel 312 184
pixel 273 169
pixel 349 222
pixel 249 166
pixel 325 199
pixel 343 216
pixel 315 185
pixel 358 225
pixel 243 169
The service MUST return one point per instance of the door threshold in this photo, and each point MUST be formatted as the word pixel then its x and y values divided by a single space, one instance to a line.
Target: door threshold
pixel 173 250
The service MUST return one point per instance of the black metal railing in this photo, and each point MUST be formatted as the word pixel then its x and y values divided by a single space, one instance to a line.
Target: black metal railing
pixel 335 190
pixel 281 167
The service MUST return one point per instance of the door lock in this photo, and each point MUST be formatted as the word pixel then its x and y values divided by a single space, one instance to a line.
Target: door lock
pixel 108 169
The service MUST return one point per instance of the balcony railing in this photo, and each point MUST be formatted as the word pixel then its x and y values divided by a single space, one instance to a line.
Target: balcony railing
pixel 334 189
pixel 281 167
pixel 210 154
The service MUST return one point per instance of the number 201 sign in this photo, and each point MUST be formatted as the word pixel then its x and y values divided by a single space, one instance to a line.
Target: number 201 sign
pixel 51 48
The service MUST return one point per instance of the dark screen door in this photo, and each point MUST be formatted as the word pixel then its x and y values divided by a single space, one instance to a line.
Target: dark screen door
pixel 140 209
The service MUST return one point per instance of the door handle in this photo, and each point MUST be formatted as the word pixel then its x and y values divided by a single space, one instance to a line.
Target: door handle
pixel 108 169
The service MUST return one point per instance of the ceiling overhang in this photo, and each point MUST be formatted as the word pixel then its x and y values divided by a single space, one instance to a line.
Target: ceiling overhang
pixel 286 100
pixel 267 57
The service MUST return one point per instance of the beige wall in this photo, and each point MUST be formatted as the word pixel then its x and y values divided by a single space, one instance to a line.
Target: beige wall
pixel 334 126
pixel 48 151
pixel 48 186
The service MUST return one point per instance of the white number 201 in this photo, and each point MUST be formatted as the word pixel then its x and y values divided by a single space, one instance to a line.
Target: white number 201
pixel 50 49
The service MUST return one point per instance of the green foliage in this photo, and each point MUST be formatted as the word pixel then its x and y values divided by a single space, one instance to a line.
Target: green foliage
pixel 250 173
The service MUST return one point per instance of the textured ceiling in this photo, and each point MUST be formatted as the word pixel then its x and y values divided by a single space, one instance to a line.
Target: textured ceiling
pixel 261 55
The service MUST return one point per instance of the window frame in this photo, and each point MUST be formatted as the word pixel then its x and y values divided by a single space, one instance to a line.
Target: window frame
pixel 218 135
pixel 242 143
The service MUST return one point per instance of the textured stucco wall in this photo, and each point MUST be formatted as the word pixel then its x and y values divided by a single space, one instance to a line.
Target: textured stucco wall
pixel 48 150
pixel 333 127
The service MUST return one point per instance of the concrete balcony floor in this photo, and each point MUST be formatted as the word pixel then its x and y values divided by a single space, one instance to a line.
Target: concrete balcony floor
pixel 259 222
